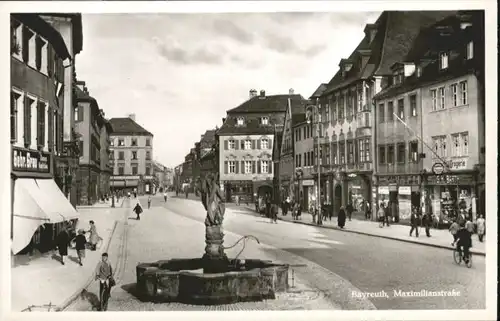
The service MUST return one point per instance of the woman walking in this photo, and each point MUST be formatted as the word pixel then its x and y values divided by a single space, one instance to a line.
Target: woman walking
pixel 94 237
pixel 381 215
pixel 138 211
pixel 481 227
pixel 63 242
pixel 341 217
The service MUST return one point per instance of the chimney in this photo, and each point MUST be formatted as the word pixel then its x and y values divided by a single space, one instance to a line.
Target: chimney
pixel 223 120
pixel 80 84
pixel 370 31
pixel 132 116
pixel 262 93
pixel 253 93
pixel 291 91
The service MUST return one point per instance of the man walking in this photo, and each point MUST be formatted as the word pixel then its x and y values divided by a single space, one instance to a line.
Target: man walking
pixel 138 211
pixel 426 222
pixel 149 202
pixel 414 221
pixel 349 208
pixel 387 214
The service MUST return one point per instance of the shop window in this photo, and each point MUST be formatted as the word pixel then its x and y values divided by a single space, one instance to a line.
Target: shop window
pixel 390 154
pixel 414 151
pixel 413 105
pixel 401 153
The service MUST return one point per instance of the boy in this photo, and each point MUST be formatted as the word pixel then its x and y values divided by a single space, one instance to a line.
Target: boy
pixel 453 230
pixel 464 241
pixel 80 242
pixel 104 273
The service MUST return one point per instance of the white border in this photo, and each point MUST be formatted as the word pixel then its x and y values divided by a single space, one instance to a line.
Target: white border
pixel 261 6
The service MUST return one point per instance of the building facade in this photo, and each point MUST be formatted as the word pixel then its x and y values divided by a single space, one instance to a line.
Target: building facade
pixel 304 161
pixel 39 208
pixel 246 145
pixel 131 156
pixel 346 118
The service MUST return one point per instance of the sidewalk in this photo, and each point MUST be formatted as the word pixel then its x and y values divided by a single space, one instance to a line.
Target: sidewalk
pixel 105 204
pixel 44 280
pixel 439 238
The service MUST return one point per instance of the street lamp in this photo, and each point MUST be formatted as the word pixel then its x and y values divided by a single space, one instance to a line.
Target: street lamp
pixel 312 110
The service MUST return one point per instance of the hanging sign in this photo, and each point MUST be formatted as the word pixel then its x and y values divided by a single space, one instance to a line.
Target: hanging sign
pixel 438 168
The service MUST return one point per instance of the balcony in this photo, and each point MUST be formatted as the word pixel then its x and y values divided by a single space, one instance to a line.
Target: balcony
pixel 401 168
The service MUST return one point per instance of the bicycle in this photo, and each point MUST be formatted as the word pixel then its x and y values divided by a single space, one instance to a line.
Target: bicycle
pixel 104 296
pixel 459 258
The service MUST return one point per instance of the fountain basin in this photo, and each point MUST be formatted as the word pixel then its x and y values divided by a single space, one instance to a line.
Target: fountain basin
pixel 181 280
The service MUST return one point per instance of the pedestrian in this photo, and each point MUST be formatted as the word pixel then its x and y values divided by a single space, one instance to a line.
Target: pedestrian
pixel 268 206
pixel 381 215
pixel 427 222
pixel 138 211
pixel 104 273
pixel 149 202
pixel 414 221
pixel 341 217
pixel 94 237
pixel 63 242
pixel 187 193
pixel 481 227
pixel 80 242
pixel 165 196
pixel 274 213
pixel 387 213
pixel 349 208
pixel 368 213
pixel 454 227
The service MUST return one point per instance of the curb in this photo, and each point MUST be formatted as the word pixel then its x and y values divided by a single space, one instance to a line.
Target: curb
pixel 75 295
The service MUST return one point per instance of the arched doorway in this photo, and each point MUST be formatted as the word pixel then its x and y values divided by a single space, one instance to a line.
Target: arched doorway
pixel 264 191
pixel 337 203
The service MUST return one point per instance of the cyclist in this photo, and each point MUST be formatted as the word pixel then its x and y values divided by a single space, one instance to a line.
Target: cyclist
pixel 464 241
pixel 104 273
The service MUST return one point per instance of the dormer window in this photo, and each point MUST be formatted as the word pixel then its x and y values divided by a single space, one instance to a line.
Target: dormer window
pixel 240 121
pixel 443 60
pixel 419 71
pixel 470 50
pixel 264 120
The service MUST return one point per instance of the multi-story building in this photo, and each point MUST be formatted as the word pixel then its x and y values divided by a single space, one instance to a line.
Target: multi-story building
pixel 206 154
pixel 246 145
pixel 94 171
pixel 131 156
pixel 303 187
pixel 69 25
pixel 187 178
pixel 38 57
pixel 168 178
pixel 438 91
pixel 288 179
pixel 346 118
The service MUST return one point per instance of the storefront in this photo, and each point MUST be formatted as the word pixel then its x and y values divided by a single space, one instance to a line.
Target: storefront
pixel 39 207
pixel 244 189
pixel 449 194
pixel 308 194
pixel 401 192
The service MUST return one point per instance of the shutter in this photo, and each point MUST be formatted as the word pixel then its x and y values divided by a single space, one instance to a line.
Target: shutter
pixel 38 53
pixel 236 144
pixel 49 60
pixel 270 167
pixel 253 167
pixel 242 144
pixel 258 167
pixel 225 145
pixel 49 121
pixel 80 114
pixel 27 122
pixel 237 165
pixel 38 124
pixel 258 144
pixel 270 144
pixel 243 167
pixel 253 143
pixel 13 118
pixel 26 45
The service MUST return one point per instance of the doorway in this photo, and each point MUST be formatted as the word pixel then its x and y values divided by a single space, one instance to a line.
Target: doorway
pixel 338 198
pixel 393 202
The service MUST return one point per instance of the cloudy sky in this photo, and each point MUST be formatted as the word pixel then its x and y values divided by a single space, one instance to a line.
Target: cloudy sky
pixel 179 73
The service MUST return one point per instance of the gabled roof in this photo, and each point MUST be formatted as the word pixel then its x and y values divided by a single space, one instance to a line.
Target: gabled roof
pixel 396 31
pixel 317 93
pixel 272 103
pixel 126 126
pixel 209 136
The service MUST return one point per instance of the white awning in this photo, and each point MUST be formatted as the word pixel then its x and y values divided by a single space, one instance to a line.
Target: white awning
pixel 37 202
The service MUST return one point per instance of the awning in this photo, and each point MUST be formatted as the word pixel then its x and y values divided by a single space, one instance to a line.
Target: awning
pixel 37 202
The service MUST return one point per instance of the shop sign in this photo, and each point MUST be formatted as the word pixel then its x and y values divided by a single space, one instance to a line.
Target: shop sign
pixel 384 190
pixel 404 190
pixel 458 163
pixel 124 177
pixel 450 180
pixel 356 187
pixel 30 161
pixel 438 168
pixel 308 182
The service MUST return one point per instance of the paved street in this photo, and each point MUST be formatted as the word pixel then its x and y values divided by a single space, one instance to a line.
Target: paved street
pixel 371 264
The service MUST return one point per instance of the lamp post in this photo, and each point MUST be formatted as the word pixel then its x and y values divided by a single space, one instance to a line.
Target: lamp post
pixel 310 111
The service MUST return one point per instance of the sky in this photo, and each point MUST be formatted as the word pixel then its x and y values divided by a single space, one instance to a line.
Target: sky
pixel 180 73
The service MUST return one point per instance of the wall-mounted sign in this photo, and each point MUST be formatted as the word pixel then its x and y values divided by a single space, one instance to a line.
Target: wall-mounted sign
pixel 458 163
pixel 438 168
pixel 308 182
pixel 124 177
pixel 30 161
pixel 384 190
pixel 404 190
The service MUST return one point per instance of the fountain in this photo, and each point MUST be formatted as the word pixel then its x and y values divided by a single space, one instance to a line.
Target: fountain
pixel 213 278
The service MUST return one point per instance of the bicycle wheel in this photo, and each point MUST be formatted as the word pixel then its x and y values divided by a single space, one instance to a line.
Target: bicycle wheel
pixel 457 257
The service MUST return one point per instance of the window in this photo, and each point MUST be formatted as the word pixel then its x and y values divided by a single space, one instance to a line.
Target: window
pixel 121 142
pixel 240 121
pixel 264 143
pixel 455 147
pixel 148 142
pixel 248 167
pixel 350 152
pixel 413 152
pixel 341 107
pixel 133 142
pixel 248 144
pixel 390 111
pixel 460 144
pixel 41 108
pixel 439 146
pixel 464 138
pixel 381 112
pixel 148 170
pixel 300 160
pixel 78 114
pixel 111 156
pixel 367 149
pixel 441 97
pixel 15 99
pixel 264 166
pixel 327 154
pixel 148 155
pixel 470 50
pixel 111 142
pixel 401 153
pixel 419 71
pixel 231 167
pixel 361 150
pixel 434 99
pixel 28 46
pixel 390 154
pixel 454 94
pixel 134 155
pixel 349 105
pixel 463 92
pixel 17 39
pixel 41 55
pixel 334 108
pixel 121 155
pixel 231 144
pixel 29 126
pixel 134 169
pixel 327 112
pixel 381 154
pixel 413 105
pixel 121 170
pixel 401 108
pixel 264 120
pixel 443 60
pixel 342 153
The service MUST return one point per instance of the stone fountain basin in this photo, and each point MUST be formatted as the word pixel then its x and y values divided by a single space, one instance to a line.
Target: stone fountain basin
pixel 182 280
